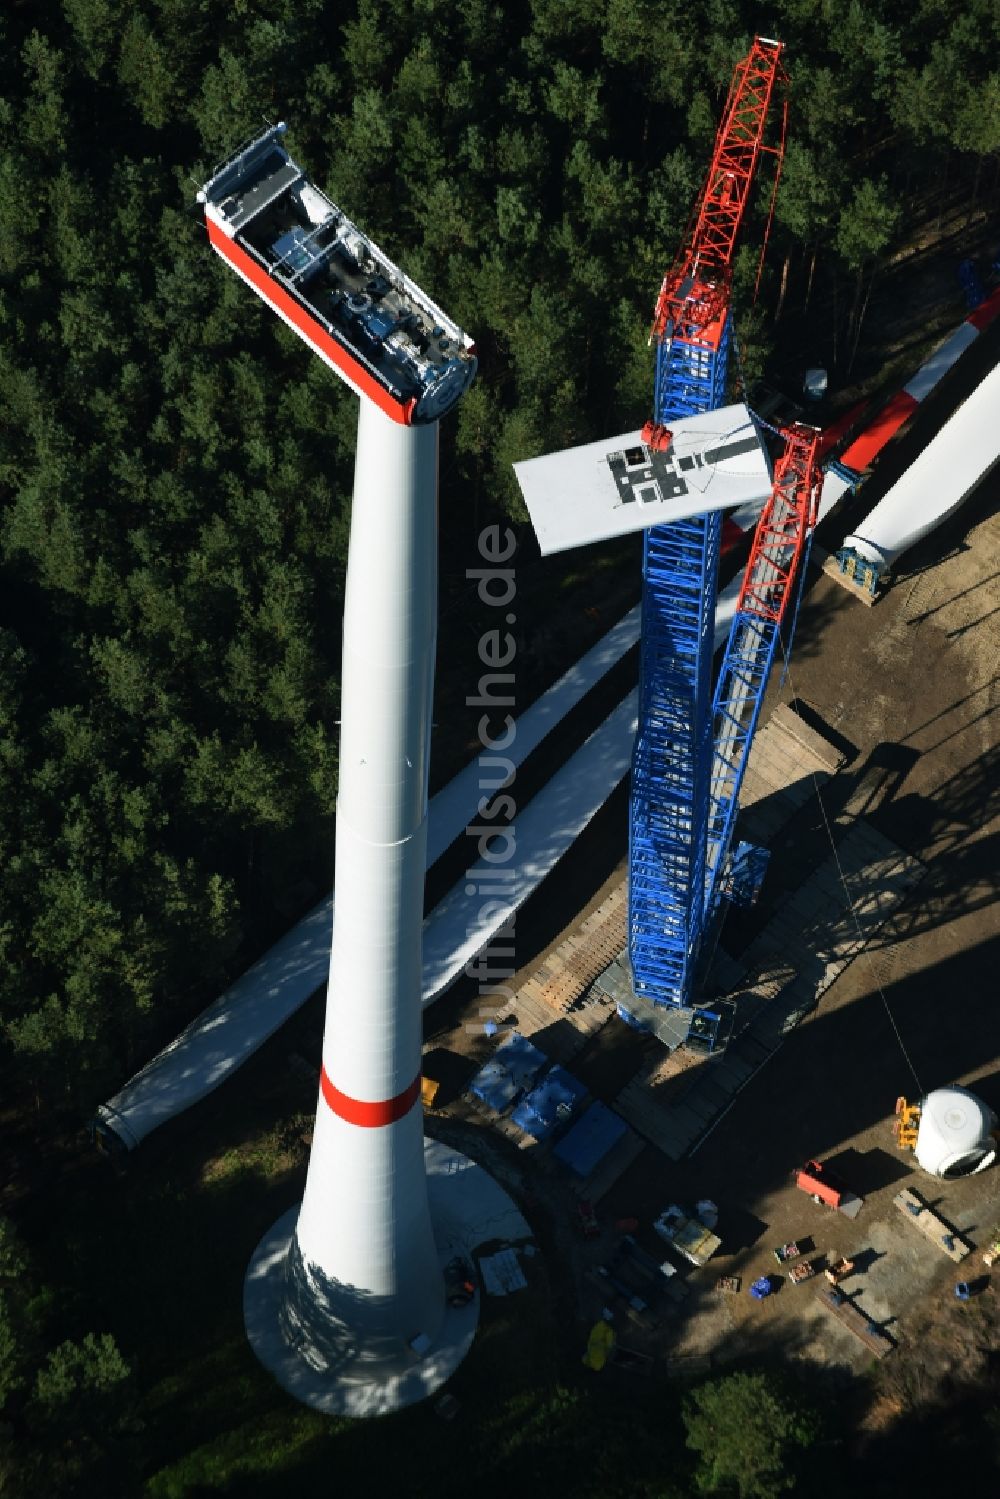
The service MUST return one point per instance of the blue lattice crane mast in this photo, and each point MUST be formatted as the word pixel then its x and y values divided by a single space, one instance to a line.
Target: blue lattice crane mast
pixel 672 761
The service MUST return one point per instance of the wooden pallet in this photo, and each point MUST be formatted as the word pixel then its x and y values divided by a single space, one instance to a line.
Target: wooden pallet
pixel 915 1210
pixel 854 1318
pixel 856 586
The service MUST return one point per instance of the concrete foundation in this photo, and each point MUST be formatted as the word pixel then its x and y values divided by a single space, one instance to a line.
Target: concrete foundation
pixel 307 1336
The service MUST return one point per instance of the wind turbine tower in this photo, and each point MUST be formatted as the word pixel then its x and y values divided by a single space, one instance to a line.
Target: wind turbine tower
pixel 345 1300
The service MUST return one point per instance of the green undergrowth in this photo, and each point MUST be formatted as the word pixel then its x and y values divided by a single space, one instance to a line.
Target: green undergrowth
pixel 162 1251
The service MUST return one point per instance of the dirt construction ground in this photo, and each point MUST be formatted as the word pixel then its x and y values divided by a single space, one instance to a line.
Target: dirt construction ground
pixel 912 685
pixel 909 691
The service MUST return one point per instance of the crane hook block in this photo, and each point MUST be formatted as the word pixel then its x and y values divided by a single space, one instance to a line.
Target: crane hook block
pixel 656 437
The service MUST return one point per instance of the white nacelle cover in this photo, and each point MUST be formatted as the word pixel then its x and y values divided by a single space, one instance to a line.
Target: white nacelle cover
pixel 617 485
pixel 954 1137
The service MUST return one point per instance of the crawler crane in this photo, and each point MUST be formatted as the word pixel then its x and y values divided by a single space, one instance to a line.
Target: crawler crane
pixel 684 787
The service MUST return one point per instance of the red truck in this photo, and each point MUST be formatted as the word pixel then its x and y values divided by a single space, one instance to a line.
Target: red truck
pixel 818 1182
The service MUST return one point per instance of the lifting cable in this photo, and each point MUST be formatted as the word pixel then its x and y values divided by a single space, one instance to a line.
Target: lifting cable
pixel 850 904
pixel 816 788
pixel 780 153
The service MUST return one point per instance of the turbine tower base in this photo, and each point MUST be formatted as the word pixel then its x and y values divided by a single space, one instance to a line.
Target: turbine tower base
pixel 324 1346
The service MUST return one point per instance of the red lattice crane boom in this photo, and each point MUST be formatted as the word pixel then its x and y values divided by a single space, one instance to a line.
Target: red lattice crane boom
pixel 674 832
pixel 695 291
pixel 777 562
pixel 786 521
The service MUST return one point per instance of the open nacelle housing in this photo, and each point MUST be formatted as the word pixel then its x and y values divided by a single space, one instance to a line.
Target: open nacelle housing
pixel 333 285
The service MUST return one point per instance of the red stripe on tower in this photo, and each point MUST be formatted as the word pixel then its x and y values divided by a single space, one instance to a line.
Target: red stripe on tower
pixel 986 312
pixel 368 1115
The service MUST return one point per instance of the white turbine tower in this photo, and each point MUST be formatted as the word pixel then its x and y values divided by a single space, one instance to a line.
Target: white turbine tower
pixel 345 1300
